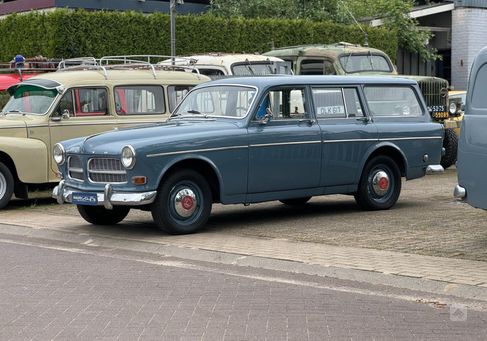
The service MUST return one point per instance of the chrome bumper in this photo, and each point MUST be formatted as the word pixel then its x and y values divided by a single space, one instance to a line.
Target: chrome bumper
pixel 459 192
pixel 108 198
pixel 435 169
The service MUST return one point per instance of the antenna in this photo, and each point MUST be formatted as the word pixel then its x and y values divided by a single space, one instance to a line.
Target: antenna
pixel 366 36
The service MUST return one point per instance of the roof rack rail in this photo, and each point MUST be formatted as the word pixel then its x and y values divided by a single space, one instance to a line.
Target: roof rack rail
pixel 79 61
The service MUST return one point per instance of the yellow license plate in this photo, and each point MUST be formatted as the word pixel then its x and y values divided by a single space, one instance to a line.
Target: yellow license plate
pixel 443 114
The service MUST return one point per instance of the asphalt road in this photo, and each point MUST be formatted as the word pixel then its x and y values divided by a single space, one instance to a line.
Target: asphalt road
pixel 51 292
pixel 426 220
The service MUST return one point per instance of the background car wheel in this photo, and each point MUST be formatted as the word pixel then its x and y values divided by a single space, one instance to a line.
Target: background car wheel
pixel 295 201
pixel 380 184
pixel 183 203
pixel 6 185
pixel 450 143
pixel 98 215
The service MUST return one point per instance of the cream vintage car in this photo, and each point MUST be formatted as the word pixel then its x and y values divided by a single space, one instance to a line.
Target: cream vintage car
pixel 77 101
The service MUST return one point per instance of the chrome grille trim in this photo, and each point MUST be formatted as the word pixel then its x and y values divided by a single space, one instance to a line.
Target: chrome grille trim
pixel 432 91
pixel 106 170
pixel 75 168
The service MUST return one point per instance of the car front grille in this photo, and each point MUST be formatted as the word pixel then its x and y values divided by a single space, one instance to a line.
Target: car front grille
pixel 105 170
pixel 75 168
pixel 435 92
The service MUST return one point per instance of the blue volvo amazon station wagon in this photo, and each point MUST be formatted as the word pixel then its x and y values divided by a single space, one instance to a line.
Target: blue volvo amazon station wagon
pixel 249 140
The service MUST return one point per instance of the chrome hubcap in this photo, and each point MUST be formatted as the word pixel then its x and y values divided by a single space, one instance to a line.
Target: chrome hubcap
pixel 380 183
pixel 3 185
pixel 185 202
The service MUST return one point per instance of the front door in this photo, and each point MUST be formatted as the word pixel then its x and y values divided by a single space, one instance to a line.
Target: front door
pixel 472 147
pixel 285 152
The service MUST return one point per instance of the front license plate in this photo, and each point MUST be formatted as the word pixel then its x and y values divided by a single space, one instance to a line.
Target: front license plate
pixel 85 199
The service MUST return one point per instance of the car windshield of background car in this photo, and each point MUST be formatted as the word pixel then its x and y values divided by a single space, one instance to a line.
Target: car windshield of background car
pixel 30 100
pixel 254 69
pixel 217 101
pixel 364 63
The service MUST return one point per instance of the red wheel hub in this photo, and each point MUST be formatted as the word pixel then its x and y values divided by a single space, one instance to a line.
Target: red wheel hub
pixel 383 183
pixel 187 202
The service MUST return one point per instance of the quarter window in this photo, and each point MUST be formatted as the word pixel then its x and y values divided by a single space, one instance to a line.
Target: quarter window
pixel 392 101
pixel 139 100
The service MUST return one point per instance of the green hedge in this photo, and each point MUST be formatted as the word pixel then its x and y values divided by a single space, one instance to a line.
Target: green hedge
pixel 67 34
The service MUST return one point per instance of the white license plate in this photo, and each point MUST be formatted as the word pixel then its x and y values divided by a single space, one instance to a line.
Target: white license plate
pixel 80 198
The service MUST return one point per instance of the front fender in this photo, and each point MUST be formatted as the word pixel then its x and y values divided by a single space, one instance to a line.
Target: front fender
pixel 376 147
pixel 29 156
pixel 182 158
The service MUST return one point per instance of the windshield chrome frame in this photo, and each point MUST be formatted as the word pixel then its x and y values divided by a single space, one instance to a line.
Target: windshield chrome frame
pixel 180 116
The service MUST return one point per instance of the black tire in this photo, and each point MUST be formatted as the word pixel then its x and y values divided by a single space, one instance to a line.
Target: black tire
pixel 6 185
pixel 450 143
pixel 99 215
pixel 183 203
pixel 295 201
pixel 384 172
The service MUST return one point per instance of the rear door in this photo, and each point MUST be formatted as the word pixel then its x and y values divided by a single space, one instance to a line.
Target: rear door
pixel 472 148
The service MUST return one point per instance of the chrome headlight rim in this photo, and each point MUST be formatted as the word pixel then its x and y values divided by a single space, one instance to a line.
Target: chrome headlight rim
pixel 452 108
pixel 59 154
pixel 127 157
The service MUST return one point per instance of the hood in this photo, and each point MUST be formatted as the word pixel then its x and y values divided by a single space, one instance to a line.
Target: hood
pixel 158 137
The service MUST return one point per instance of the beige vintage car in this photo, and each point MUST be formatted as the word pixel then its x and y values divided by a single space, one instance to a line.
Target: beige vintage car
pixel 77 101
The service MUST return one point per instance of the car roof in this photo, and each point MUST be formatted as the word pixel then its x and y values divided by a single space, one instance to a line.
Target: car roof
pixel 320 50
pixel 277 80
pixel 129 76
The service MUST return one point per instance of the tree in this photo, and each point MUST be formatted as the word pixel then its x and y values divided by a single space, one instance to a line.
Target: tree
pixel 394 14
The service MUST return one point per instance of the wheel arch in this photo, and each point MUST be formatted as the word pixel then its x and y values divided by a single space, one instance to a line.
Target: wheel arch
pixel 9 162
pixel 199 164
pixel 390 150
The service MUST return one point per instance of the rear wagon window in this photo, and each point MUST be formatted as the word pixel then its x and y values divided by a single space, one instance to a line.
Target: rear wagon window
pixel 392 101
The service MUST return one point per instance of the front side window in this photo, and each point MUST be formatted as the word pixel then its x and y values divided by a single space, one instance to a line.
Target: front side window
pixel 30 99
pixel 139 100
pixel 364 63
pixel 228 101
pixel 283 104
pixel 392 101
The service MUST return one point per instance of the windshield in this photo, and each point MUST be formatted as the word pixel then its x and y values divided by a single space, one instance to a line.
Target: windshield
pixel 364 63
pixel 217 101
pixel 30 99
pixel 260 68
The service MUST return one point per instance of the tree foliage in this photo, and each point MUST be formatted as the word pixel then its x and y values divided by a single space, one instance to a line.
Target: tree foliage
pixel 394 14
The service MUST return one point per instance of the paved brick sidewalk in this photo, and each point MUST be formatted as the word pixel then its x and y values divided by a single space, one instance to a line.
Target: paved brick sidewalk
pixel 433 268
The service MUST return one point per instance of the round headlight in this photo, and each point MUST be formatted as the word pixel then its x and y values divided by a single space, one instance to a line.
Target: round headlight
pixel 128 157
pixel 453 108
pixel 59 154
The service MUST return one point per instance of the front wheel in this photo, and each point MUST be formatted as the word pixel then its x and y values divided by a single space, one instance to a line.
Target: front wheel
pixel 380 184
pixel 6 185
pixel 183 203
pixel 98 215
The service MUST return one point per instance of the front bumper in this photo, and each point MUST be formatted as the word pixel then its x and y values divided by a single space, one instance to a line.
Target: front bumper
pixel 108 198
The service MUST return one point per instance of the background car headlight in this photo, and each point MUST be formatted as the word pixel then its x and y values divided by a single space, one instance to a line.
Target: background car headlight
pixel 453 108
pixel 59 154
pixel 128 157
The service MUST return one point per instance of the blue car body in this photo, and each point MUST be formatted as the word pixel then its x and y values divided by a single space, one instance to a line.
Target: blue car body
pixel 245 159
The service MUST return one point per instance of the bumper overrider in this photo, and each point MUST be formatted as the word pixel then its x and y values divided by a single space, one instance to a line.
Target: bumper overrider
pixel 108 198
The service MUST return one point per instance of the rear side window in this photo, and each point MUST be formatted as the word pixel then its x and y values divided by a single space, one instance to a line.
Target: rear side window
pixel 336 103
pixel 479 95
pixel 139 100
pixel 392 101
pixel 176 94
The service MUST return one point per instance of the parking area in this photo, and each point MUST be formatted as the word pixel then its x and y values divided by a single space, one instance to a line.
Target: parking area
pixel 427 220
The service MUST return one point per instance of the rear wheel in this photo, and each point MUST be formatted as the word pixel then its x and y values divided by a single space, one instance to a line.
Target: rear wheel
pixel 295 201
pixel 98 215
pixel 380 184
pixel 6 185
pixel 183 203
pixel 450 143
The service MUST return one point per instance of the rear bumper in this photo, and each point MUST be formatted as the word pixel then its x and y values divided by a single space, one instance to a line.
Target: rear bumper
pixel 459 192
pixel 108 198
